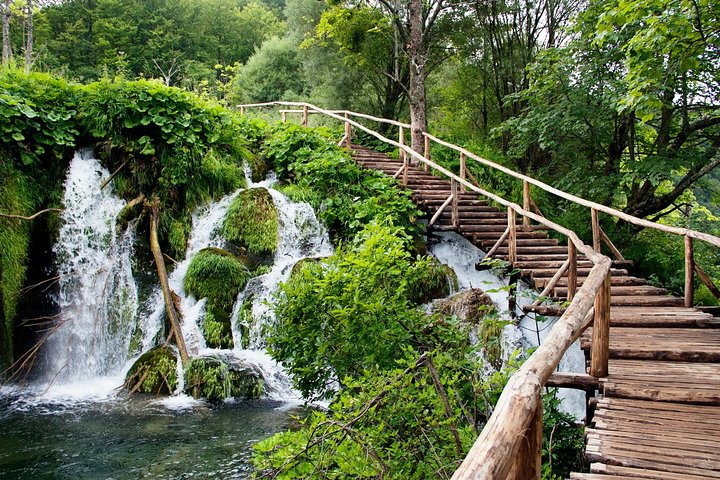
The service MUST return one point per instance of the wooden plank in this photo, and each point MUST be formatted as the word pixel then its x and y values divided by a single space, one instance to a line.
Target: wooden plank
pixel 636 473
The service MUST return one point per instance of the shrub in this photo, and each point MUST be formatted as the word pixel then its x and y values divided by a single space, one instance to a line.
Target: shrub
pixel 216 379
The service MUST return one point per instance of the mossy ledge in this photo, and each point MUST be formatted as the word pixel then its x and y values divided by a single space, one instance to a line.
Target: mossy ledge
pixel 252 222
pixel 154 372
pixel 217 378
pixel 438 282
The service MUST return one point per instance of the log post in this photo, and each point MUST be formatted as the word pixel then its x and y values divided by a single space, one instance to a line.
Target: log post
pixel 455 210
pixel 172 313
pixel 401 141
pixel 512 236
pixel 305 116
pixel 462 170
pixel 601 331
pixel 526 202
pixel 595 229
pixel 348 131
pixel 242 110
pixel 527 464
pixel 283 116
pixel 427 153
pixel 689 272
pixel 572 271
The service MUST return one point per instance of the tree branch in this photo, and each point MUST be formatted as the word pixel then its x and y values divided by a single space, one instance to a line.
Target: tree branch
pixel 31 217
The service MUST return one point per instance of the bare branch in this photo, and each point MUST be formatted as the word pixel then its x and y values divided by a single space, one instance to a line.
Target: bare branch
pixel 31 217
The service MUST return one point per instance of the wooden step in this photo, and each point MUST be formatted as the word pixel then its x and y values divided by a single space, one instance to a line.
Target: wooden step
pixel 622 290
pixel 673 344
pixel 616 280
pixel 545 264
pixel 582 272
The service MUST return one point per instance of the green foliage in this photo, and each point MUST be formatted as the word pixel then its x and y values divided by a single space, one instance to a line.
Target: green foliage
pixel 438 282
pixel 154 372
pixel 217 328
pixel 216 275
pixel 216 379
pixel 252 221
pixel 17 197
pixel 411 421
pixel 350 312
pixel 563 440
pixel 346 196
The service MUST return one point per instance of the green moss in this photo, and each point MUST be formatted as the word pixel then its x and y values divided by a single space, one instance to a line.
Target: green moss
pixel 259 168
pixel 217 329
pixel 217 275
pixel 216 378
pixel 490 336
pixel 15 197
pixel 156 370
pixel 438 281
pixel 252 221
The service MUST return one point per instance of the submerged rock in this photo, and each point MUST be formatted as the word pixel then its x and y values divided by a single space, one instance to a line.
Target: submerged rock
pixel 154 372
pixel 252 222
pixel 220 377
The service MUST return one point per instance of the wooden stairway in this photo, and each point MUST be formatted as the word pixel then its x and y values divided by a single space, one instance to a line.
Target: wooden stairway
pixel 658 416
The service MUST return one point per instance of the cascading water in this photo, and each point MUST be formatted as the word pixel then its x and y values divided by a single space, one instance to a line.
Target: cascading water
pixel 455 251
pixel 98 296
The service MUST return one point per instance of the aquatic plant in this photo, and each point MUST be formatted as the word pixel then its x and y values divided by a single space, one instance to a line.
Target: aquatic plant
pixel 216 379
pixel 154 372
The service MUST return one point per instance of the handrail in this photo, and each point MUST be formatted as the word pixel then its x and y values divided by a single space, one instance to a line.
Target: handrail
pixel 509 445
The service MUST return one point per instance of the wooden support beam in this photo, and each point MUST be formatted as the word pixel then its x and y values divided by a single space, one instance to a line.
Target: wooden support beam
pixel 689 272
pixel 348 131
pixel 705 279
pixel 601 331
pixel 242 110
pixel 463 170
pixel 455 209
pixel 595 229
pixel 527 464
pixel 305 116
pixel 497 245
pixel 544 310
pixel 572 271
pixel 526 202
pixel 401 141
pixel 440 210
pixel 551 284
pixel 611 246
pixel 426 153
pixel 512 237
pixel 283 117
pixel 579 381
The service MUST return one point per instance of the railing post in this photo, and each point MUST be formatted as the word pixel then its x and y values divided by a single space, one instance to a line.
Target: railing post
pixel 595 229
pixel 526 202
pixel 462 170
pixel 348 131
pixel 242 110
pixel 689 272
pixel 512 236
pixel 283 116
pixel 601 331
pixel 572 271
pixel 455 210
pixel 426 167
pixel 305 116
pixel 527 464
pixel 401 141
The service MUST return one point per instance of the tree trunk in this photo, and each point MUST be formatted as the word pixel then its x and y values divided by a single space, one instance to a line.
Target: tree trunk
pixel 6 47
pixel 172 312
pixel 418 120
pixel 29 36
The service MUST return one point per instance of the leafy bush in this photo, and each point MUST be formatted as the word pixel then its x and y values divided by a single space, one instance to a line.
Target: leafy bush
pixel 350 312
pixel 216 275
pixel 252 221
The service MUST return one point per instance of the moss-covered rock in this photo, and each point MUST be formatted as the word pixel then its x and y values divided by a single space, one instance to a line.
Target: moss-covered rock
pixel 154 372
pixel 470 306
pixel 438 282
pixel 217 328
pixel 217 378
pixel 252 222
pixel 259 167
pixel 217 275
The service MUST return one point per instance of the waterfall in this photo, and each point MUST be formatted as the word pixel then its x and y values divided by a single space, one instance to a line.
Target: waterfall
pixel 462 256
pixel 98 297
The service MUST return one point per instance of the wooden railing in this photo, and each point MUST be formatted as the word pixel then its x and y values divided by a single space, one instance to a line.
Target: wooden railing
pixel 509 445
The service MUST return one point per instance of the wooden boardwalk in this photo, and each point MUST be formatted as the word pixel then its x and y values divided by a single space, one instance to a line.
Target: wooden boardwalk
pixel 658 413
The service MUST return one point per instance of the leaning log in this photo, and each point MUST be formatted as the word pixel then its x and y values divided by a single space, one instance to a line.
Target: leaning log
pixel 172 313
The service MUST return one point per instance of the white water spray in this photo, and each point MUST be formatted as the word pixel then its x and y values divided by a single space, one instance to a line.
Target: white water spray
pixel 98 296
